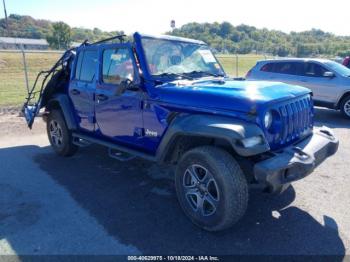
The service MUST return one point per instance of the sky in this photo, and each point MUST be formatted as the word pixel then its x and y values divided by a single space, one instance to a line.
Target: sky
pixel 154 16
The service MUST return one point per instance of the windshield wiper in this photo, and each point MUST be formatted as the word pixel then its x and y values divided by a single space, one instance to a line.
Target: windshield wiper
pixel 175 74
pixel 205 73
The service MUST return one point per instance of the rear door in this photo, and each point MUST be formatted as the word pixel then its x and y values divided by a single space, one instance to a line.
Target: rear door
pixel 82 88
pixel 261 71
pixel 285 72
pixel 119 113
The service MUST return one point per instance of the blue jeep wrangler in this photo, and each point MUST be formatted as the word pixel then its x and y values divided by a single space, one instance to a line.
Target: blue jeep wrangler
pixel 167 99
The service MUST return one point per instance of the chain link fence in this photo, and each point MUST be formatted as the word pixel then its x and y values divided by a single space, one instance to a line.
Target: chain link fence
pixel 238 65
pixel 19 68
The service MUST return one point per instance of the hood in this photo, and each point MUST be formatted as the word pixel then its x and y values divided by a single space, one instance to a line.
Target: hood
pixel 223 94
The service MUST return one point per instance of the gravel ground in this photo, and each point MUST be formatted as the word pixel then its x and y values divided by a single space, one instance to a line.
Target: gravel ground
pixel 92 204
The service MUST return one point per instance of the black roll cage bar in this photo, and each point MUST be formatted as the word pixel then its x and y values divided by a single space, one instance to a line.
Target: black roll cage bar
pixel 32 93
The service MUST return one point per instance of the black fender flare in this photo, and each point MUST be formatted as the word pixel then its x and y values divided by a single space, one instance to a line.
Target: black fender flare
pixel 64 103
pixel 212 126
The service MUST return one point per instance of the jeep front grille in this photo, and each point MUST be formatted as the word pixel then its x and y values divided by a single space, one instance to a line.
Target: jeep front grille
pixel 296 119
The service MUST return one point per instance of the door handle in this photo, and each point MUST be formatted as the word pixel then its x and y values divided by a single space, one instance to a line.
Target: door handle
pixel 75 92
pixel 102 97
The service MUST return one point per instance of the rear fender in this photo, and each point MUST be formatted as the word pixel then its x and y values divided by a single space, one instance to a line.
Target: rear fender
pixel 63 102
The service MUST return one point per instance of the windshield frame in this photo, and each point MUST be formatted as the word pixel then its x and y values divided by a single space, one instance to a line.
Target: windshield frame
pixel 180 76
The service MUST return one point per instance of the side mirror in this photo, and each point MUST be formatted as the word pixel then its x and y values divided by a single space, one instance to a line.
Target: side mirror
pixel 127 84
pixel 329 74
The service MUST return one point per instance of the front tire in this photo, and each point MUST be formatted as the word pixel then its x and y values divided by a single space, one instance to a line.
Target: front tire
pixel 211 188
pixel 345 106
pixel 59 135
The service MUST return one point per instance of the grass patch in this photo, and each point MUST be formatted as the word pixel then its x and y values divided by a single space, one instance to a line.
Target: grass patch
pixel 238 66
pixel 12 81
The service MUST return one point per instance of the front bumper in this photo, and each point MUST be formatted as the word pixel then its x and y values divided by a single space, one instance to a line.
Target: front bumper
pixel 297 161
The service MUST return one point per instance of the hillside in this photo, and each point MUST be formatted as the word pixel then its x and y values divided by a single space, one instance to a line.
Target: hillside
pixel 28 27
pixel 244 39
pixel 223 37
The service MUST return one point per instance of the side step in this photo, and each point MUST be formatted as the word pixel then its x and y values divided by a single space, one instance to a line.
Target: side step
pixel 120 155
pixel 80 142
pixel 119 152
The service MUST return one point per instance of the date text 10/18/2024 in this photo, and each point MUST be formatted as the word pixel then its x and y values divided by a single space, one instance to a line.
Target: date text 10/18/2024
pixel 173 258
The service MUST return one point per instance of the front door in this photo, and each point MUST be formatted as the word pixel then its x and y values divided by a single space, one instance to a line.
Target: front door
pixel 323 88
pixel 118 113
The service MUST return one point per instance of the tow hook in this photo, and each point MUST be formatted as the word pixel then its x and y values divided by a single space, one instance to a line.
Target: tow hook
pixel 327 132
pixel 300 153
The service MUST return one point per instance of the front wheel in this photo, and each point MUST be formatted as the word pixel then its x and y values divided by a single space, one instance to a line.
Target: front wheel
pixel 60 136
pixel 345 107
pixel 211 188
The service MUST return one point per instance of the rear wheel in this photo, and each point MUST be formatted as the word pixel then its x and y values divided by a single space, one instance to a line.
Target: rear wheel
pixel 345 106
pixel 211 188
pixel 59 135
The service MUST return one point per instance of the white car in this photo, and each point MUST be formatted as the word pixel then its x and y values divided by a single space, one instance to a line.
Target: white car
pixel 328 80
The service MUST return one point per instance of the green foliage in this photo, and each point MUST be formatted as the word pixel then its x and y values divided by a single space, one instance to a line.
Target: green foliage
pixel 82 34
pixel 223 37
pixel 25 26
pixel 244 39
pixel 308 49
pixel 344 53
pixel 61 36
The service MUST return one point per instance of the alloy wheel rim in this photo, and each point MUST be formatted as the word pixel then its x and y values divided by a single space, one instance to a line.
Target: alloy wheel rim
pixel 347 108
pixel 201 190
pixel 56 133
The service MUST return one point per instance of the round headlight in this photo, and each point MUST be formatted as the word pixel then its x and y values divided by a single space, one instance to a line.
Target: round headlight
pixel 268 120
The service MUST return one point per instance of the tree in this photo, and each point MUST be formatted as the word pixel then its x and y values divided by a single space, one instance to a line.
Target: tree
pixel 61 36
pixel 236 36
pixel 225 29
pixel 246 46
pixel 224 37
pixel 344 53
pixel 305 50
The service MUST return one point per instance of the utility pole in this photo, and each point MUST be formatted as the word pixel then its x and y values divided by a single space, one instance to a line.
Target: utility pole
pixel 6 21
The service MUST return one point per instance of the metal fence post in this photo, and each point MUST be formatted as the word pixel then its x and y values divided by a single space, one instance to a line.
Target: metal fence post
pixel 236 65
pixel 25 68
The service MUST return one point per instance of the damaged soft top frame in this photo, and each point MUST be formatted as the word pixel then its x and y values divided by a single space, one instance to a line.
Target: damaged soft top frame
pixel 32 104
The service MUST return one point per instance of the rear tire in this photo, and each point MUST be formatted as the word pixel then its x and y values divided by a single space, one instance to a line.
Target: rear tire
pixel 59 135
pixel 345 106
pixel 211 188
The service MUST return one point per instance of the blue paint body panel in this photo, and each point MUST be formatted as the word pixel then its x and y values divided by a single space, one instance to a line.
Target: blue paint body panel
pixel 139 118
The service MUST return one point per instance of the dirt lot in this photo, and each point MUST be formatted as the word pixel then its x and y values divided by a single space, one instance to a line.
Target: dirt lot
pixel 91 204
